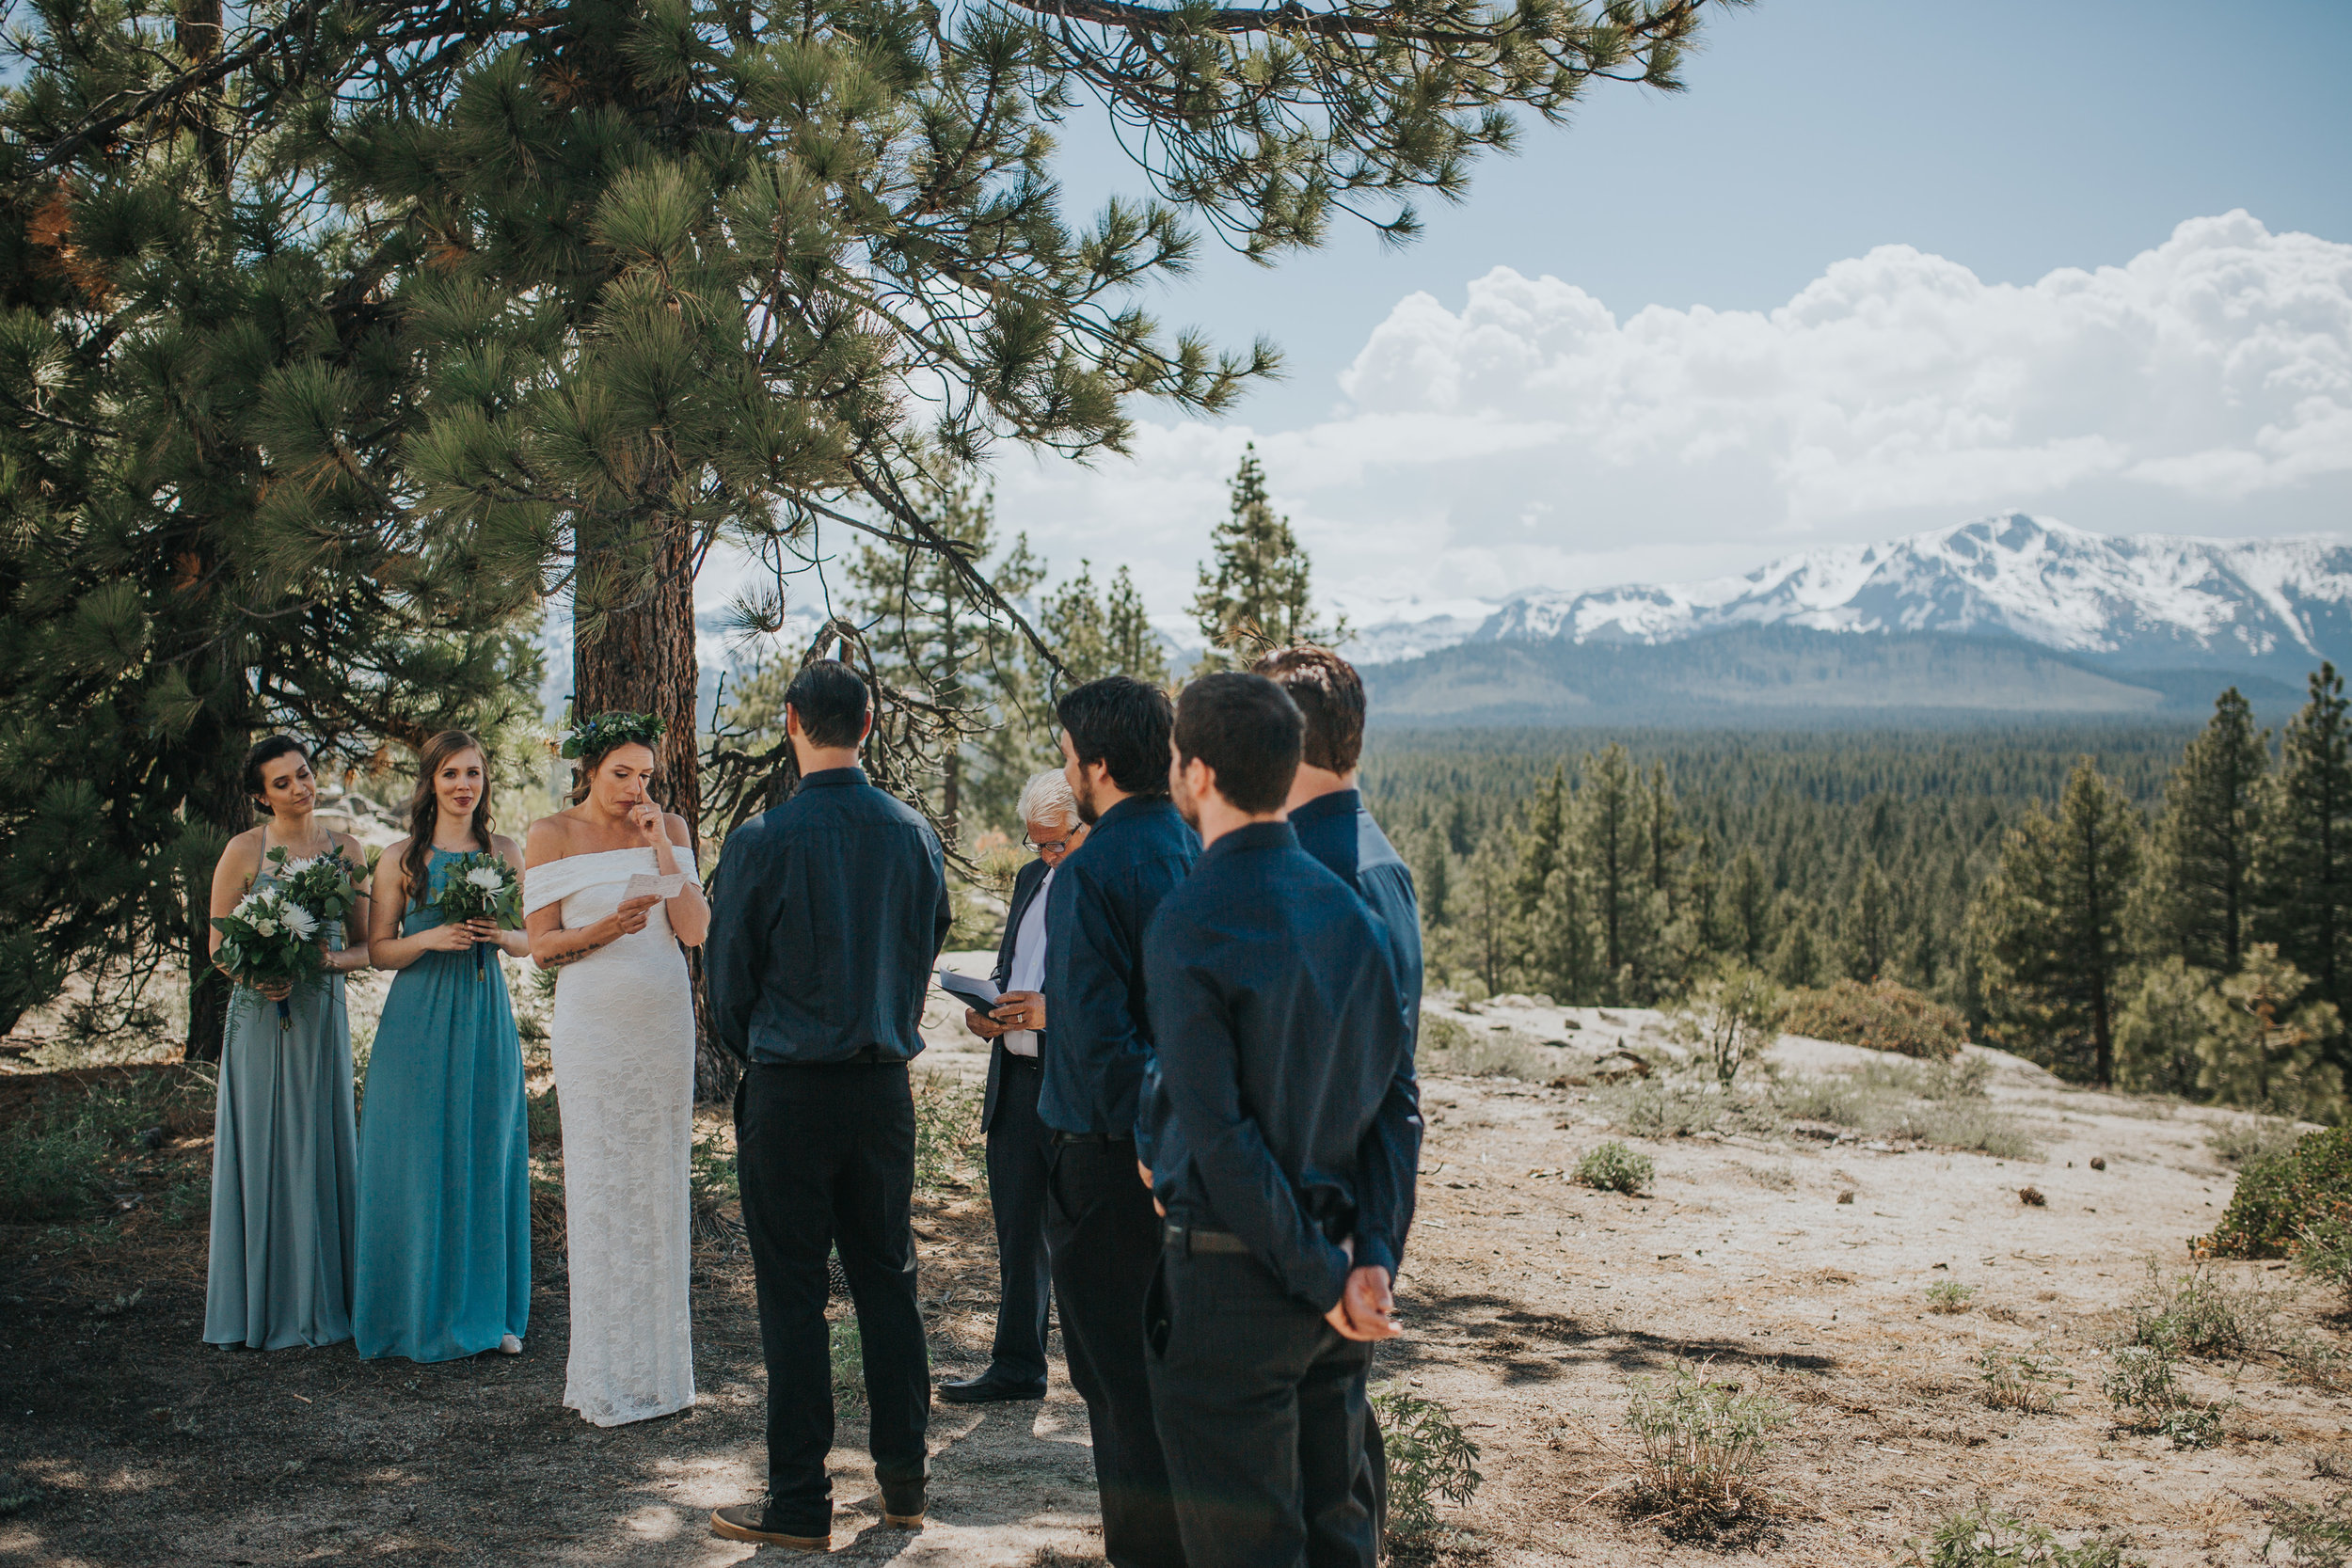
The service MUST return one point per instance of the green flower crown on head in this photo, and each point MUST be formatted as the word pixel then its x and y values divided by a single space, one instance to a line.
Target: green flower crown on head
pixel 607 730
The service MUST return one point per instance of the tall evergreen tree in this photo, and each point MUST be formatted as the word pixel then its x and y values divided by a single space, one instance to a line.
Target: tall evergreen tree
pixel 1100 634
pixel 2304 867
pixel 2200 862
pixel 2051 931
pixel 1871 926
pixel 203 406
pixel 1615 848
pixel 1256 594
pixel 2262 1050
pixel 1746 904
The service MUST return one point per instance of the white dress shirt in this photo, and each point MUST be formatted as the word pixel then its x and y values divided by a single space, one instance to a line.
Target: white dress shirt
pixel 1029 962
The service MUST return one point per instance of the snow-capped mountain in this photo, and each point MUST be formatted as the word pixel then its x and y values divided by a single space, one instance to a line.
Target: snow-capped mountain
pixel 2145 601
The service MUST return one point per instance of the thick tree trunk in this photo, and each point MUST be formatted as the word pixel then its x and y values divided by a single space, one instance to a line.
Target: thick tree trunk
pixel 639 656
pixel 214 801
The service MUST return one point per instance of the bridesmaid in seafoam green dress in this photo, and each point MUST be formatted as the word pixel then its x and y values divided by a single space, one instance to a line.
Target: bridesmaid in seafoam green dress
pixel 280 1272
pixel 444 1232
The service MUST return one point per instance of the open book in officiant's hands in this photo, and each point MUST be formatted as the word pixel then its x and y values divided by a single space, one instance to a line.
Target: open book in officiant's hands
pixel 979 994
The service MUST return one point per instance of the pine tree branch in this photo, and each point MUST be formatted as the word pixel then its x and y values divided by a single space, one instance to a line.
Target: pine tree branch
pixel 1292 17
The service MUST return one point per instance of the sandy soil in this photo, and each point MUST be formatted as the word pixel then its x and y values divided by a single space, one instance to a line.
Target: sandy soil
pixel 1532 1304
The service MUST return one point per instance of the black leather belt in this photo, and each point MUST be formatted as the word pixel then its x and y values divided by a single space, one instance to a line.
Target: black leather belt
pixel 1060 1137
pixel 1185 1238
pixel 1015 1058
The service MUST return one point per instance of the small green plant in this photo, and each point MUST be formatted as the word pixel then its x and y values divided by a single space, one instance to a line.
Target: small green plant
pixel 1950 1295
pixel 1985 1538
pixel 1702 1443
pixel 1612 1167
pixel 1430 1457
pixel 543 1118
pixel 2143 1386
pixel 2316 1535
pixel 2199 1313
pixel 848 1350
pixel 2241 1143
pixel 1730 1020
pixel 2022 1381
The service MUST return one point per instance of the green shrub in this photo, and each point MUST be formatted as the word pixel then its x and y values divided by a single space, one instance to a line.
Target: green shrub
pixel 1881 1016
pixel 1702 1444
pixel 544 1117
pixel 2280 1194
pixel 1730 1020
pixel 2316 1535
pixel 2198 1313
pixel 1950 1295
pixel 2323 1251
pixel 50 1177
pixel 2240 1143
pixel 1982 1538
pixel 1430 1457
pixel 2143 1386
pixel 1612 1167
pixel 949 1139
pixel 56 1158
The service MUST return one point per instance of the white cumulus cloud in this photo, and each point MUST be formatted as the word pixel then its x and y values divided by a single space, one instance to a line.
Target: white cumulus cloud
pixel 1530 437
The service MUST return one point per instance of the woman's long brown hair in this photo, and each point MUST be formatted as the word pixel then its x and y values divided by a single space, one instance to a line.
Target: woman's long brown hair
pixel 424 809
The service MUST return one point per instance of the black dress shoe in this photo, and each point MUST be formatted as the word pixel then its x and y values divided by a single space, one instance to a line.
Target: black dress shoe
pixel 902 1503
pixel 988 1388
pixel 756 1522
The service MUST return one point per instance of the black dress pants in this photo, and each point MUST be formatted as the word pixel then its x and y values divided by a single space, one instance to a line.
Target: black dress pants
pixel 1261 1408
pixel 1105 1239
pixel 1019 1150
pixel 826 1159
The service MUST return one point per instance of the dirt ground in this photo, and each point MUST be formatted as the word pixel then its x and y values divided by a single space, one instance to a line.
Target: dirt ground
pixel 1531 1305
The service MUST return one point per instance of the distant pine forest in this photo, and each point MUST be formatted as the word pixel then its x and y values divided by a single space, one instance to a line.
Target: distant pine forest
pixel 2061 885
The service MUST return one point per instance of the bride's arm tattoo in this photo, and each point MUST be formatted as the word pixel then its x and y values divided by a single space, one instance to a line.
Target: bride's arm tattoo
pixel 558 960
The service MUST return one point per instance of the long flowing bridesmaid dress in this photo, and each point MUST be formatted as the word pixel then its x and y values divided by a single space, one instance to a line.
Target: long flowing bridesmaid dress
pixel 444 1234
pixel 283 1171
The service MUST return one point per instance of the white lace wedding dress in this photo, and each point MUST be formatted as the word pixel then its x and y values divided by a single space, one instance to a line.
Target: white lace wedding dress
pixel 623 1038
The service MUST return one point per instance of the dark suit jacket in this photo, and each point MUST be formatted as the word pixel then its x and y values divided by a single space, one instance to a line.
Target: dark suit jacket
pixel 1024 888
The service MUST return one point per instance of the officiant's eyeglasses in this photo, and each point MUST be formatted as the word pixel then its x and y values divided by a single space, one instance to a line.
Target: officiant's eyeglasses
pixel 1053 848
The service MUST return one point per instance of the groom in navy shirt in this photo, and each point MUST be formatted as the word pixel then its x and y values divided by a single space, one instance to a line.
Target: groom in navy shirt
pixel 829 912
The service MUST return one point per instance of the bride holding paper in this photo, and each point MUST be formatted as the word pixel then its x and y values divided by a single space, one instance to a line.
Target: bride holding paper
pixel 610 890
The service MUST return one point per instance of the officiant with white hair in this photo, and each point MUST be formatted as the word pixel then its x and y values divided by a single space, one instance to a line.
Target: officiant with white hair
pixel 1018 1142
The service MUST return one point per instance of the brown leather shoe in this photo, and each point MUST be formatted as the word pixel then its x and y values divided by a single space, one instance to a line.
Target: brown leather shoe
pixel 748 1522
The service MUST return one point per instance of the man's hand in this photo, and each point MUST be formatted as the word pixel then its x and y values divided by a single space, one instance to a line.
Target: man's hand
pixel 981 1024
pixel 1366 1310
pixel 1020 1009
pixel 1144 1171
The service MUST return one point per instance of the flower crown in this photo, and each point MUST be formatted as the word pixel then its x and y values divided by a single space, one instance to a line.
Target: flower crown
pixel 607 730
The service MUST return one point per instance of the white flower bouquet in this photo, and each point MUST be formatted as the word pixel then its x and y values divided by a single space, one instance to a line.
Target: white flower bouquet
pixel 269 938
pixel 327 885
pixel 480 886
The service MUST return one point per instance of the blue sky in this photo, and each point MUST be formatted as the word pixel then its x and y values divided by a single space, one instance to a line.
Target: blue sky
pixel 1888 265
pixel 2010 137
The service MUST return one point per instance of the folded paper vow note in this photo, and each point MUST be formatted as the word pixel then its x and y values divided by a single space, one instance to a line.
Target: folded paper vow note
pixel 646 885
pixel 980 994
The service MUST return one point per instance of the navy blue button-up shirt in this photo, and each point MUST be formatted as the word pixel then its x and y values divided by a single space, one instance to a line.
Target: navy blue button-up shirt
pixel 1336 830
pixel 827 914
pixel 1097 1036
pixel 1279 1033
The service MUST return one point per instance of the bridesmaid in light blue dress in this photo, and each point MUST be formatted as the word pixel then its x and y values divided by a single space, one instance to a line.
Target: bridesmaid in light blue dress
pixel 283 1174
pixel 444 1235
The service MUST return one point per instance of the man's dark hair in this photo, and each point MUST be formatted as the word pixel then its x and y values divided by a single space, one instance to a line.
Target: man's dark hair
pixel 1121 721
pixel 1331 696
pixel 1247 729
pixel 831 701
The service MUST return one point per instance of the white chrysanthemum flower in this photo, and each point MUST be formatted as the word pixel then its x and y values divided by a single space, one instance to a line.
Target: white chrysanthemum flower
pixel 295 868
pixel 301 922
pixel 486 878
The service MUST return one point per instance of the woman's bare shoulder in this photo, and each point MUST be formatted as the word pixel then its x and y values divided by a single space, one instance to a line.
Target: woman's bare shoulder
pixel 244 851
pixel 550 838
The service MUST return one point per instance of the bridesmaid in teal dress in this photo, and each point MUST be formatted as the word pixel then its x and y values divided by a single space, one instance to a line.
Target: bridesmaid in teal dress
pixel 444 1153
pixel 283 1173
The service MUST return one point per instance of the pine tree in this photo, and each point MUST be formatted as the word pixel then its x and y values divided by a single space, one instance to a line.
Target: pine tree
pixel 1257 594
pixel 2201 862
pixel 2050 928
pixel 2156 1035
pixel 2262 1052
pixel 1614 851
pixel 1747 907
pixel 1871 928
pixel 2304 864
pixel 202 410
pixel 1103 634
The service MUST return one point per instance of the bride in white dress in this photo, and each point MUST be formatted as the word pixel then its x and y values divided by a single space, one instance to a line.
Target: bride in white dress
pixel 624 1048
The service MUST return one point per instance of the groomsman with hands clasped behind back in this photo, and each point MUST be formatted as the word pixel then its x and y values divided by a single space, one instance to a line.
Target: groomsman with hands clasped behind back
pixel 1269 1131
pixel 831 909
pixel 1101 1233
pixel 1326 812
